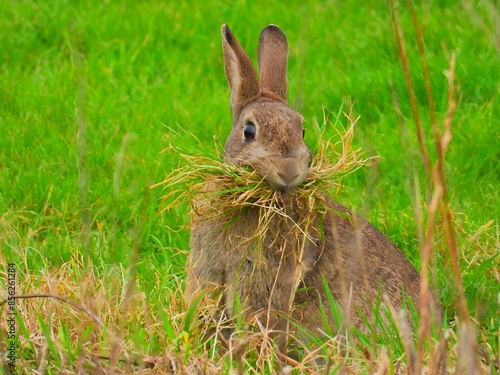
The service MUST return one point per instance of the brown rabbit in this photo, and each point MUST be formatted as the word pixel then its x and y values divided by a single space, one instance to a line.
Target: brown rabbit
pixel 285 280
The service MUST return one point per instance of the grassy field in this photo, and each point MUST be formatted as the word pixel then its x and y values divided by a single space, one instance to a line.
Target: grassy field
pixel 91 93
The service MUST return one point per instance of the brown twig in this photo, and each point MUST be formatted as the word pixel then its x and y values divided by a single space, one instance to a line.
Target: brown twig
pixel 439 203
pixel 425 68
pixel 447 216
pixel 411 92
pixel 58 298
pixel 428 245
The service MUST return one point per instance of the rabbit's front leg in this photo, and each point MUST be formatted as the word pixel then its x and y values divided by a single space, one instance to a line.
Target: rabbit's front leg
pixel 263 289
pixel 206 262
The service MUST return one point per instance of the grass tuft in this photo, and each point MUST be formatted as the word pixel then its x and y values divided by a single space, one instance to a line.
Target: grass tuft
pixel 219 188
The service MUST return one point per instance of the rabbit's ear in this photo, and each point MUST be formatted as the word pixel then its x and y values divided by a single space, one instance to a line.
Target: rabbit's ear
pixel 240 71
pixel 272 59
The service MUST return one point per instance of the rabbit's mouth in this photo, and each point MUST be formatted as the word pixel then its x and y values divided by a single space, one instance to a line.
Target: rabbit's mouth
pixel 282 174
pixel 286 178
pixel 283 185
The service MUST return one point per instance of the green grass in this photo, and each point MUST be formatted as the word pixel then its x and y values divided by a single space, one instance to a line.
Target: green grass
pixel 155 68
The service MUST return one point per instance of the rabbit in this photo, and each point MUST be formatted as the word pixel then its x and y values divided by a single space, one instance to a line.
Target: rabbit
pixel 286 281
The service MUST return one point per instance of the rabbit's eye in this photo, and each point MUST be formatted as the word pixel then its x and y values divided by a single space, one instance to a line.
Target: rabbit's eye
pixel 249 131
pixel 303 133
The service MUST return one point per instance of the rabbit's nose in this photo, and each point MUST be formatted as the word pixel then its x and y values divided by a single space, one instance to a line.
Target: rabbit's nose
pixel 289 175
pixel 290 171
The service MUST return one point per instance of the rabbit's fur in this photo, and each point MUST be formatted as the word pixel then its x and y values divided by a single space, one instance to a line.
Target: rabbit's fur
pixel 358 263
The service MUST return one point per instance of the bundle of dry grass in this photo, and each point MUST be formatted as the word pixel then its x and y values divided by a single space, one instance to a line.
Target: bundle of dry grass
pixel 217 188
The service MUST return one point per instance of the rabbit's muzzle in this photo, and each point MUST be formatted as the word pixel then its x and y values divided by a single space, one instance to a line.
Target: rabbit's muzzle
pixel 286 176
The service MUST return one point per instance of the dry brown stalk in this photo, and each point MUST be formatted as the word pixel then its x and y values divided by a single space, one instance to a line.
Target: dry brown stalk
pixel 425 68
pixel 439 175
pixel 467 344
pixel 438 204
pixel 411 92
pixel 428 245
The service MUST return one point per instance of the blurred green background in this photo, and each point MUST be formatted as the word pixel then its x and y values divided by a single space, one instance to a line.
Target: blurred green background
pixel 88 91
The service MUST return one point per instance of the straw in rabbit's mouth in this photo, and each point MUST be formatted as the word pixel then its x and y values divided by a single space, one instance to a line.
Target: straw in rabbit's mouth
pixel 217 188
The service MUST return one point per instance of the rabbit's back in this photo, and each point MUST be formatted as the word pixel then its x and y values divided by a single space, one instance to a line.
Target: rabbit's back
pixel 360 266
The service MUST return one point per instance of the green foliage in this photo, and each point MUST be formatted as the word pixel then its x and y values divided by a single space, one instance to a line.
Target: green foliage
pixel 135 71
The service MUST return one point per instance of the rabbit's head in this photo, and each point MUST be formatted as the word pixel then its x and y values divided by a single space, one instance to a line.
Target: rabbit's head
pixel 267 135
